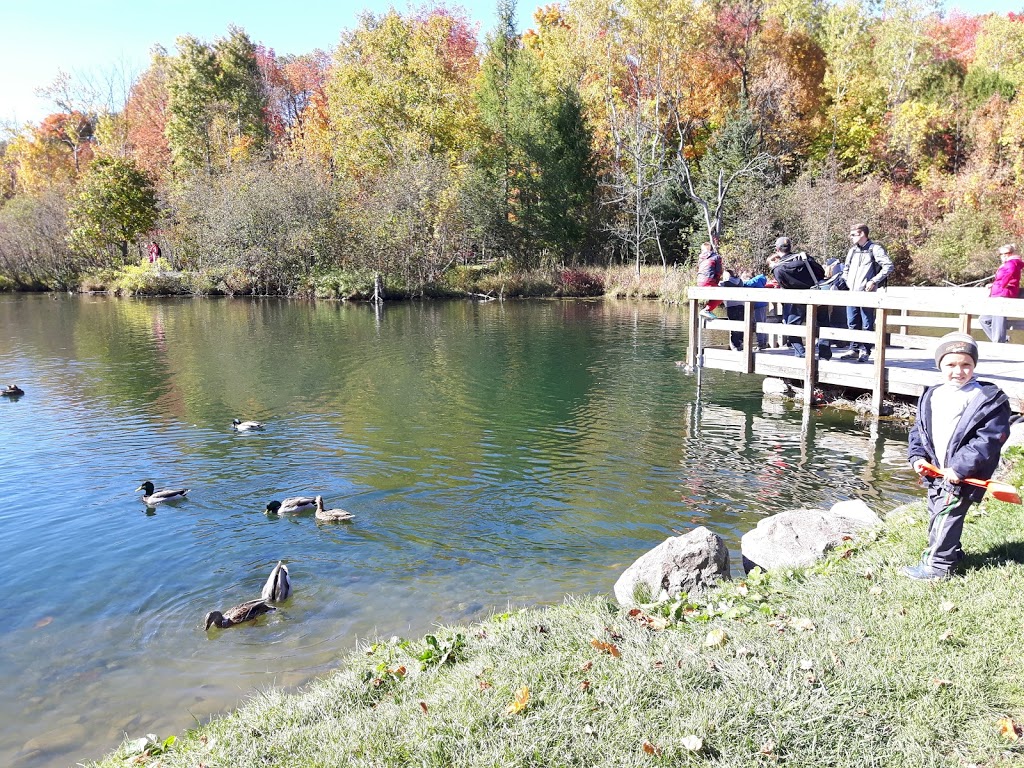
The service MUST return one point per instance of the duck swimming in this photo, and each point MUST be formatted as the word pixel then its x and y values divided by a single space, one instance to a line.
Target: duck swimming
pixel 291 505
pixel 278 586
pixel 247 426
pixel 330 515
pixel 240 613
pixel 12 390
pixel 151 496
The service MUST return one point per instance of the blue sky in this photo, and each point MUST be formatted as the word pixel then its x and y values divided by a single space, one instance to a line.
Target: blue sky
pixel 39 37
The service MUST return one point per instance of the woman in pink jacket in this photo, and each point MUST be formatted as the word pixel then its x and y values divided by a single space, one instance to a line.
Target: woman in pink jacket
pixel 1005 285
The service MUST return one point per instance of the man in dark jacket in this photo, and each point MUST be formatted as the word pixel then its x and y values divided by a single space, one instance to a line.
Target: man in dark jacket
pixel 798 271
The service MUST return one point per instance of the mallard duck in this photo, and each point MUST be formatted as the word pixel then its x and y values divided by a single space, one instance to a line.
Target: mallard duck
pixel 330 515
pixel 278 586
pixel 292 505
pixel 246 426
pixel 13 390
pixel 152 497
pixel 240 613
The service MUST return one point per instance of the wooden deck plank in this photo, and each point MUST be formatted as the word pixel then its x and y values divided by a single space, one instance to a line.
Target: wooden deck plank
pixel 907 371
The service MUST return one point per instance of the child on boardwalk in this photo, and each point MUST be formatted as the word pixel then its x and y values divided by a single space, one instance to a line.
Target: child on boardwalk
pixel 961 426
pixel 709 272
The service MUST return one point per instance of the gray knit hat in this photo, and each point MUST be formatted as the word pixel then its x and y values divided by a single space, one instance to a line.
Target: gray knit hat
pixel 956 342
pixel 784 245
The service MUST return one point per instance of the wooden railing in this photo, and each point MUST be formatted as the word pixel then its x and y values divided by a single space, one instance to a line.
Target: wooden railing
pixel 903 308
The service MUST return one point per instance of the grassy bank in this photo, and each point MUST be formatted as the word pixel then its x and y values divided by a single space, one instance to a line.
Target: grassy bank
pixel 844 664
pixel 477 281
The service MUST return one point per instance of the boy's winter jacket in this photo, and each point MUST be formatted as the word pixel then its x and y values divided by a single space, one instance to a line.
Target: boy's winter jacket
pixel 974 446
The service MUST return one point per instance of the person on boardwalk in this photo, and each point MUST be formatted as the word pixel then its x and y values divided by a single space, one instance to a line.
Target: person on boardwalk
pixel 961 426
pixel 798 271
pixel 154 252
pixel 709 272
pixel 751 280
pixel 867 267
pixel 733 309
pixel 1006 285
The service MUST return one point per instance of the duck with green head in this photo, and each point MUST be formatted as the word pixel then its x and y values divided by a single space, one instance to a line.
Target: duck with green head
pixel 291 506
pixel 151 496
pixel 247 426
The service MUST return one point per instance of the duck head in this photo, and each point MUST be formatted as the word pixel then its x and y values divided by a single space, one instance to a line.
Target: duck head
pixel 273 507
pixel 147 488
pixel 216 617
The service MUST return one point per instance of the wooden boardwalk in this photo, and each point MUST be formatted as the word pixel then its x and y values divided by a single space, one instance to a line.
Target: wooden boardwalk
pixel 908 322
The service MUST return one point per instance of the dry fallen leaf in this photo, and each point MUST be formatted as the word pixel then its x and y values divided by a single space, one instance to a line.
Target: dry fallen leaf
pixel 693 743
pixel 875 590
pixel 650 749
pixel 1009 729
pixel 519 703
pixel 423 706
pixel 397 671
pixel 939 683
pixel 585 685
pixel 646 620
pixel 484 685
pixel 947 606
pixel 716 637
pixel 806 664
pixel 742 652
pixel 804 625
pixel 946 635
pixel 43 622
pixel 768 747
pixel 606 647
pixel 586 667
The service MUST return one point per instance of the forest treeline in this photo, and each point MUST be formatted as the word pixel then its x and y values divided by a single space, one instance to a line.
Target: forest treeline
pixel 607 133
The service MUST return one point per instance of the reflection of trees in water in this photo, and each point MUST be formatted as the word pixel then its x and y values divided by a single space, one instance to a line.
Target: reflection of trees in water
pixel 740 465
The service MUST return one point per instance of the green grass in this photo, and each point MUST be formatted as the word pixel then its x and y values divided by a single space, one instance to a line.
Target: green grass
pixel 847 663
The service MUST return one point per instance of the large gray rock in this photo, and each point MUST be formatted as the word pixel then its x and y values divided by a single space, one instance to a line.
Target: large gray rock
pixel 802 537
pixel 678 565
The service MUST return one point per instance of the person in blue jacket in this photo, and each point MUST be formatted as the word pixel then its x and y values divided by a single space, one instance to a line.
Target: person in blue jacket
pixel 751 280
pixel 961 426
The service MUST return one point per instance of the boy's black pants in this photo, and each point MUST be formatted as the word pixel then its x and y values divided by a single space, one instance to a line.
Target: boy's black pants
pixel 946 514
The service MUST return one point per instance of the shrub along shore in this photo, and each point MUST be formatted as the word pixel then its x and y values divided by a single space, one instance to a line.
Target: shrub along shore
pixel 847 663
pixel 479 281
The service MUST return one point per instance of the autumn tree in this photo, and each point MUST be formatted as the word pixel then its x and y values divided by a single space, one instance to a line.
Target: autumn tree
pixel 145 116
pixel 115 203
pixel 401 88
pixel 215 103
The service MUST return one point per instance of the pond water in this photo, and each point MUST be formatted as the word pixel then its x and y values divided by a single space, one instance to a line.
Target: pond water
pixel 494 455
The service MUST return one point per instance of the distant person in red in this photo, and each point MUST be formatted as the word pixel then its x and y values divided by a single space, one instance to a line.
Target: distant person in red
pixel 154 252
pixel 709 272
pixel 1005 285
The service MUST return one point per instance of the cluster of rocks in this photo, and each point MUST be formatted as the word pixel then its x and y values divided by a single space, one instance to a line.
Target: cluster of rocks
pixel 696 560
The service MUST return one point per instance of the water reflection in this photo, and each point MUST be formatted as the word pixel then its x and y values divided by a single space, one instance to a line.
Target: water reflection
pixel 506 453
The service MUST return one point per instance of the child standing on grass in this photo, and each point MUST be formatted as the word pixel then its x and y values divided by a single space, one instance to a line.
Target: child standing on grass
pixel 961 426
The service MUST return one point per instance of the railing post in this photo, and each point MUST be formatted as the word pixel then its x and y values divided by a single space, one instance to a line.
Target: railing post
pixel 878 375
pixel 691 342
pixel 810 347
pixel 748 336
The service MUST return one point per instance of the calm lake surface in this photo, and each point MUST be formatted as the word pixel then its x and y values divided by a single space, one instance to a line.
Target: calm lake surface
pixel 494 455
